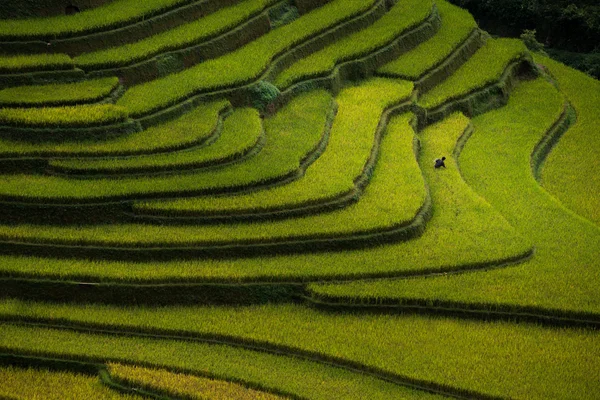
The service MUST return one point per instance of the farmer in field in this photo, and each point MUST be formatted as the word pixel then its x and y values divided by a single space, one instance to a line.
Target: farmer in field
pixel 439 163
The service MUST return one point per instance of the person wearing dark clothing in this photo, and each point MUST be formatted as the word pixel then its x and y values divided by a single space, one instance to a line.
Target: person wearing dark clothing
pixel 440 163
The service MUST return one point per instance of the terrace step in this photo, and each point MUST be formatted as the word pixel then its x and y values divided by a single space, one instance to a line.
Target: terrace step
pixel 435 59
pixel 269 53
pixel 200 125
pixel 61 35
pixel 295 138
pixel 481 84
pixel 242 135
pixel 371 221
pixel 332 181
pixel 404 26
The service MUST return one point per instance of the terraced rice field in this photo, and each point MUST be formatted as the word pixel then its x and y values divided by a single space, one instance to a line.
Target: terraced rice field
pixel 237 200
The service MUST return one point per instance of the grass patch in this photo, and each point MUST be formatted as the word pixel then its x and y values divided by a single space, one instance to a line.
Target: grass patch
pixel 403 16
pixel 457 25
pixel 295 376
pixel 240 132
pixel 185 385
pixel 177 38
pixel 333 173
pixel 563 274
pixel 34 62
pixel 62 117
pixel 31 383
pixel 569 171
pixel 58 93
pixel 486 66
pixel 240 66
pixel 112 15
pixel 280 155
pixel 185 131
pixel 499 359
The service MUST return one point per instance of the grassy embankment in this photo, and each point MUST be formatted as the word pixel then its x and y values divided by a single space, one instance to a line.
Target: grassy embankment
pixel 457 24
pixel 570 171
pixel 401 17
pixel 240 132
pixel 485 67
pixel 57 93
pixel 179 37
pixel 350 145
pixel 192 128
pixel 280 156
pixel 241 66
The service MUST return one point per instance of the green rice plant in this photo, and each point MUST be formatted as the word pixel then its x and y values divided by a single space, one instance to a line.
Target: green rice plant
pixel 191 128
pixel 67 116
pixel 568 172
pixel 281 155
pixel 240 133
pixel 499 359
pixel 402 17
pixel 241 66
pixel 34 62
pixel 185 385
pixel 563 273
pixel 269 372
pixel 464 230
pixel 392 199
pixel 177 38
pixel 31 383
pixel 457 24
pixel 332 174
pixel 109 16
pixel 58 93
pixel 485 67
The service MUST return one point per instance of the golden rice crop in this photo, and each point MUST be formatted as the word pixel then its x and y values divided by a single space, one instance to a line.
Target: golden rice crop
pixel 184 385
pixel 67 116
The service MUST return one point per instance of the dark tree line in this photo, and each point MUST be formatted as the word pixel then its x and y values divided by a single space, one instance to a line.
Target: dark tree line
pixel 569 29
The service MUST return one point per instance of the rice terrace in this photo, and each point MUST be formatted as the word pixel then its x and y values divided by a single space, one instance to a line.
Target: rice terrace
pixel 237 199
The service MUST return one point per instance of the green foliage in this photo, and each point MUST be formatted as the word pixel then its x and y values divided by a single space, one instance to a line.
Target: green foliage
pixel 68 116
pixel 402 17
pixel 35 62
pixel 21 383
pixel 457 24
pixel 185 131
pixel 240 66
pixel 564 254
pixel 333 173
pixel 586 62
pixel 533 362
pixel 303 378
pixel 528 37
pixel 177 38
pixel 168 64
pixel 58 93
pixel 485 67
pixel 568 172
pixel 240 132
pixel 112 15
pixel 263 94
